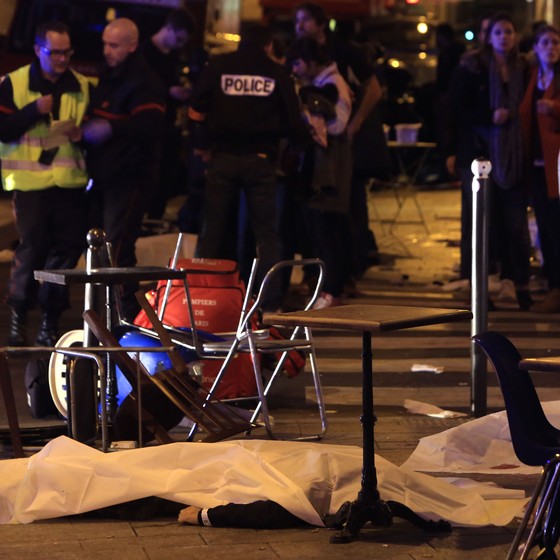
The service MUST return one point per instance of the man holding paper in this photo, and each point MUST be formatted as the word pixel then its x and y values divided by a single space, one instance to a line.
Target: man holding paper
pixel 41 108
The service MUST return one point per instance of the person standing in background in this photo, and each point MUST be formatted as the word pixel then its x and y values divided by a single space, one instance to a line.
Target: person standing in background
pixel 242 105
pixel 364 131
pixel 47 180
pixel 540 120
pixel 122 136
pixel 327 166
pixel 460 150
pixel 485 96
pixel 162 54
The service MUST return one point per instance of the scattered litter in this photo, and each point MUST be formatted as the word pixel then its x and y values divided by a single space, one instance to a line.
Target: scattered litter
pixel 417 407
pixel 427 367
pixel 456 285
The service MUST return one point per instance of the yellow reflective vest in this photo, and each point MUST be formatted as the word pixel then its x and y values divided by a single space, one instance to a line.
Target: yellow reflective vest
pixel 21 169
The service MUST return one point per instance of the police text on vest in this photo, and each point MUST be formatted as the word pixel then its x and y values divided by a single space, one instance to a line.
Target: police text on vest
pixel 259 86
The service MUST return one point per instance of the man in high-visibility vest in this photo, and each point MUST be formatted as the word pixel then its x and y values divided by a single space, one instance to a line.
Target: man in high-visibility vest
pixel 41 108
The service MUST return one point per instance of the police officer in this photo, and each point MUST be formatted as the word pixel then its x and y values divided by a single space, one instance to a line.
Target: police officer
pixel 47 180
pixel 246 102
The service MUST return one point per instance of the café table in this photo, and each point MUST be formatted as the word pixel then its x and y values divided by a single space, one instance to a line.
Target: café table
pixel 370 319
pixel 546 364
pixel 410 158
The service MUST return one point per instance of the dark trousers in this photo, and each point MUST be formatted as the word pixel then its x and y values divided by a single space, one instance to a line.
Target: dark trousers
pixel 119 211
pixel 547 213
pixel 227 176
pixel 52 235
pixel 510 223
pixel 329 233
pixel 362 240
pixel 466 177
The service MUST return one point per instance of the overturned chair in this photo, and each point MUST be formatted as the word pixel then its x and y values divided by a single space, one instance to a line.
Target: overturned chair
pixel 157 402
pixel 535 441
pixel 255 341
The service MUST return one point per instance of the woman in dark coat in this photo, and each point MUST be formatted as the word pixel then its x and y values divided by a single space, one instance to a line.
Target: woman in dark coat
pixel 540 119
pixel 486 93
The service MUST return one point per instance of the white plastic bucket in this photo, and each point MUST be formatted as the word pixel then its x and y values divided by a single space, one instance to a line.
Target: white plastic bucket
pixel 407 133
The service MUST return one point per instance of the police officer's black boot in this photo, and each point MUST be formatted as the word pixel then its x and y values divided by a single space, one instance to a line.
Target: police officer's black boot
pixel 17 335
pixel 48 330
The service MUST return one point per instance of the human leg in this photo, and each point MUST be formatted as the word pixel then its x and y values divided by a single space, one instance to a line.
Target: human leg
pixel 67 227
pixel 327 227
pixel 511 206
pixel 259 183
pixel 547 213
pixel 466 178
pixel 31 218
pixel 123 209
pixel 220 197
pixel 30 213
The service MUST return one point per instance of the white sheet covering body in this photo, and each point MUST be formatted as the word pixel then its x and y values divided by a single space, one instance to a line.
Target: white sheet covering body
pixel 308 479
pixel 480 446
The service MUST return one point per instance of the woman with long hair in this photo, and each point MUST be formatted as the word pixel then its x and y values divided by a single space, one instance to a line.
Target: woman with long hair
pixel 487 91
pixel 540 119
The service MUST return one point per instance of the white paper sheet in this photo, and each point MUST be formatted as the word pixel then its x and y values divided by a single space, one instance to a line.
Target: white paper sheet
pixel 58 134
pixel 418 407
pixel 308 479
pixel 479 446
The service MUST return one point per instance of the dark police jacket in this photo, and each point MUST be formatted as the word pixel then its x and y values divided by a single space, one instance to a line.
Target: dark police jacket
pixel 248 103
pixel 131 98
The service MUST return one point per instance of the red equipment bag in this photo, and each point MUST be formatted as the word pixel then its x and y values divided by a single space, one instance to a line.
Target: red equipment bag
pixel 217 295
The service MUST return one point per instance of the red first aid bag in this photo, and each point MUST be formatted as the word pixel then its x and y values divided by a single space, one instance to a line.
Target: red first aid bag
pixel 217 295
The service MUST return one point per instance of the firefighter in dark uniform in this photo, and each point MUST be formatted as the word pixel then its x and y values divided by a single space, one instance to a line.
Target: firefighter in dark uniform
pixel 245 102
pixel 122 136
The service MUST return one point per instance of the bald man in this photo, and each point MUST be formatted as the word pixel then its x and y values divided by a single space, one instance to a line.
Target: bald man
pixel 122 134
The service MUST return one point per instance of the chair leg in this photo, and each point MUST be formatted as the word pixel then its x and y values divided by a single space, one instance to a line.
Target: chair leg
pixel 261 390
pixel 264 390
pixel 223 368
pixel 531 506
pixel 551 524
pixel 317 384
pixel 10 404
pixel 546 490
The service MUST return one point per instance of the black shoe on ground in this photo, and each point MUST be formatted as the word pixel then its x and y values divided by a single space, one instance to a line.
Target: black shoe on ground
pixel 48 330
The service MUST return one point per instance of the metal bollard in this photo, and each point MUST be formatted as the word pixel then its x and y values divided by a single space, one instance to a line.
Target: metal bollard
pixel 479 283
pixel 84 418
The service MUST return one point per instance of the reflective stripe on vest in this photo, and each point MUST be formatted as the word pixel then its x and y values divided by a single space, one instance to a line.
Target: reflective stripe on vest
pixel 21 169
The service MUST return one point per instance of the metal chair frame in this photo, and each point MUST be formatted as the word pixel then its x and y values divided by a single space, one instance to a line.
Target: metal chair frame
pixel 246 339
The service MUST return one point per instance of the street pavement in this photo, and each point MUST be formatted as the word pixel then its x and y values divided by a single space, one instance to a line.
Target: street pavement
pixel 418 254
